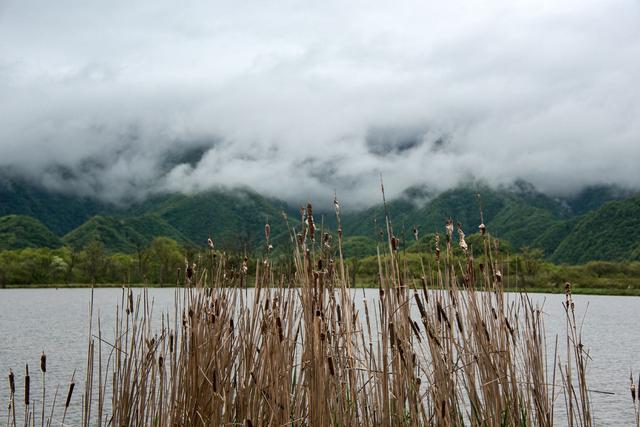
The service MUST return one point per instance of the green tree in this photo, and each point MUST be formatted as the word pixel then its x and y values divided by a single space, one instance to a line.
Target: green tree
pixel 93 260
pixel 165 256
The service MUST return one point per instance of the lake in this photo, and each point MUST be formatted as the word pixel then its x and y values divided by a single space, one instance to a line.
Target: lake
pixel 57 321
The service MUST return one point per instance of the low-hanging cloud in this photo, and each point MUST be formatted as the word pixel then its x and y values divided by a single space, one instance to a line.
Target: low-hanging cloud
pixel 120 99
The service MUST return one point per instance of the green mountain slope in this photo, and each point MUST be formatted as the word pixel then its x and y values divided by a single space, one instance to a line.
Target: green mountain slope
pixel 232 219
pixel 61 213
pixel 19 231
pixel 611 232
pixel 122 235
pixel 600 223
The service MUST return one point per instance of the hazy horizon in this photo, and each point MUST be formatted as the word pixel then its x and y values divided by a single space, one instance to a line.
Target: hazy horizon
pixel 297 100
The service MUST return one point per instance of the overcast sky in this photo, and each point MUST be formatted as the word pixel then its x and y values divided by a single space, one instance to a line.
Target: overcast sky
pixel 298 99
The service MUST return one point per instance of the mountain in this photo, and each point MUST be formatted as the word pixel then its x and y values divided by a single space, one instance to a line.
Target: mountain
pixel 513 213
pixel 19 231
pixel 59 212
pixel 611 232
pixel 231 218
pixel 122 235
pixel 599 223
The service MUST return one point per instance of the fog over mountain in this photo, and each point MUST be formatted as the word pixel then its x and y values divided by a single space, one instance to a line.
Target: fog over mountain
pixel 298 99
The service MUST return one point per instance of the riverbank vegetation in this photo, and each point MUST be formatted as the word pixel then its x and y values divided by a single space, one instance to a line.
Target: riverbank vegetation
pixel 160 262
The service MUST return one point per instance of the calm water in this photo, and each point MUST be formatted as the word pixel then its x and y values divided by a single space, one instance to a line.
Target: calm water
pixel 57 321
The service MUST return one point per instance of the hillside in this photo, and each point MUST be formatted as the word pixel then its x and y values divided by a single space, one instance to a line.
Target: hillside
pixel 19 231
pixel 599 223
pixel 122 235
pixel 59 212
pixel 610 233
pixel 232 219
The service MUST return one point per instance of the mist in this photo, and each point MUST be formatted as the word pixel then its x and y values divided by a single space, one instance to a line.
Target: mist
pixel 124 99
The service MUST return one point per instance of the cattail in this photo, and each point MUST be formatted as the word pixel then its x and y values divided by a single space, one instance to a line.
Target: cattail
pixel 310 223
pixel 326 240
pixel 449 229
pixel 27 386
pixel 415 232
pixel 210 243
pixel 336 205
pixel 437 251
pixel 267 231
pixel 12 382
pixel 190 271
pixel 279 326
pixel 394 243
pixel 483 229
pixel 340 233
pixel 43 363
pixel 463 243
pixel 69 394
pixel 633 388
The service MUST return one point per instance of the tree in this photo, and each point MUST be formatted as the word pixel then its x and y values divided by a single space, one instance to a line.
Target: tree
pixel 93 260
pixel 165 256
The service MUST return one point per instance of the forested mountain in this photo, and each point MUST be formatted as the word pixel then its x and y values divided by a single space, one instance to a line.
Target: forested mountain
pixel 600 223
pixel 19 231
pixel 60 212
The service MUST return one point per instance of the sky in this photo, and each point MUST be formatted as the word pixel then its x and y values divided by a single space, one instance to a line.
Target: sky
pixel 297 100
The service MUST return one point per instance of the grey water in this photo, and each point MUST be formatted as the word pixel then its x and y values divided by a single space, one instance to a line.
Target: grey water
pixel 56 321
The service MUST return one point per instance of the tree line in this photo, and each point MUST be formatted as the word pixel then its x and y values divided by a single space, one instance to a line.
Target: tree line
pixel 155 263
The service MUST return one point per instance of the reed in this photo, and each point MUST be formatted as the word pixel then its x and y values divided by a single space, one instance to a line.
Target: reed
pixel 446 348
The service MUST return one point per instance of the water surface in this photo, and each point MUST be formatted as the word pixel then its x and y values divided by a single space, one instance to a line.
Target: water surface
pixel 57 321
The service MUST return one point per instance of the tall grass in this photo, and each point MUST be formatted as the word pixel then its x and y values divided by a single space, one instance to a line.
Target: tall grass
pixel 430 350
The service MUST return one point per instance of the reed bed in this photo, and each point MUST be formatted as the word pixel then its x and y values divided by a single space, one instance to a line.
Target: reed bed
pixel 448 348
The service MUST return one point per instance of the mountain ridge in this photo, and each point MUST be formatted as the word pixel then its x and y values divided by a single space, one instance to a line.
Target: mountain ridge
pixel 519 214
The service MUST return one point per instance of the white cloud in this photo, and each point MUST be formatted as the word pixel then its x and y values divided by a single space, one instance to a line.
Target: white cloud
pixel 296 100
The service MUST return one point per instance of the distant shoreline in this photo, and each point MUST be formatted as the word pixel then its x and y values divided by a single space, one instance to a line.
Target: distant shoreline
pixel 532 290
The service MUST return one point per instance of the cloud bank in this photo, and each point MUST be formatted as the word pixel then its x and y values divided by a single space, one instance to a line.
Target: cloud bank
pixel 297 99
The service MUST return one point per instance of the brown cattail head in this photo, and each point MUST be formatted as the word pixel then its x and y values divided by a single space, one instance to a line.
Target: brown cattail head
pixel 449 229
pixel 326 240
pixel 27 386
pixel 415 232
pixel 267 231
pixel 12 382
pixel 340 233
pixel 483 229
pixel 394 243
pixel 437 249
pixel 462 242
pixel 336 205
pixel 310 223
pixel 69 394
pixel 210 243
pixel 43 362
pixel 130 302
